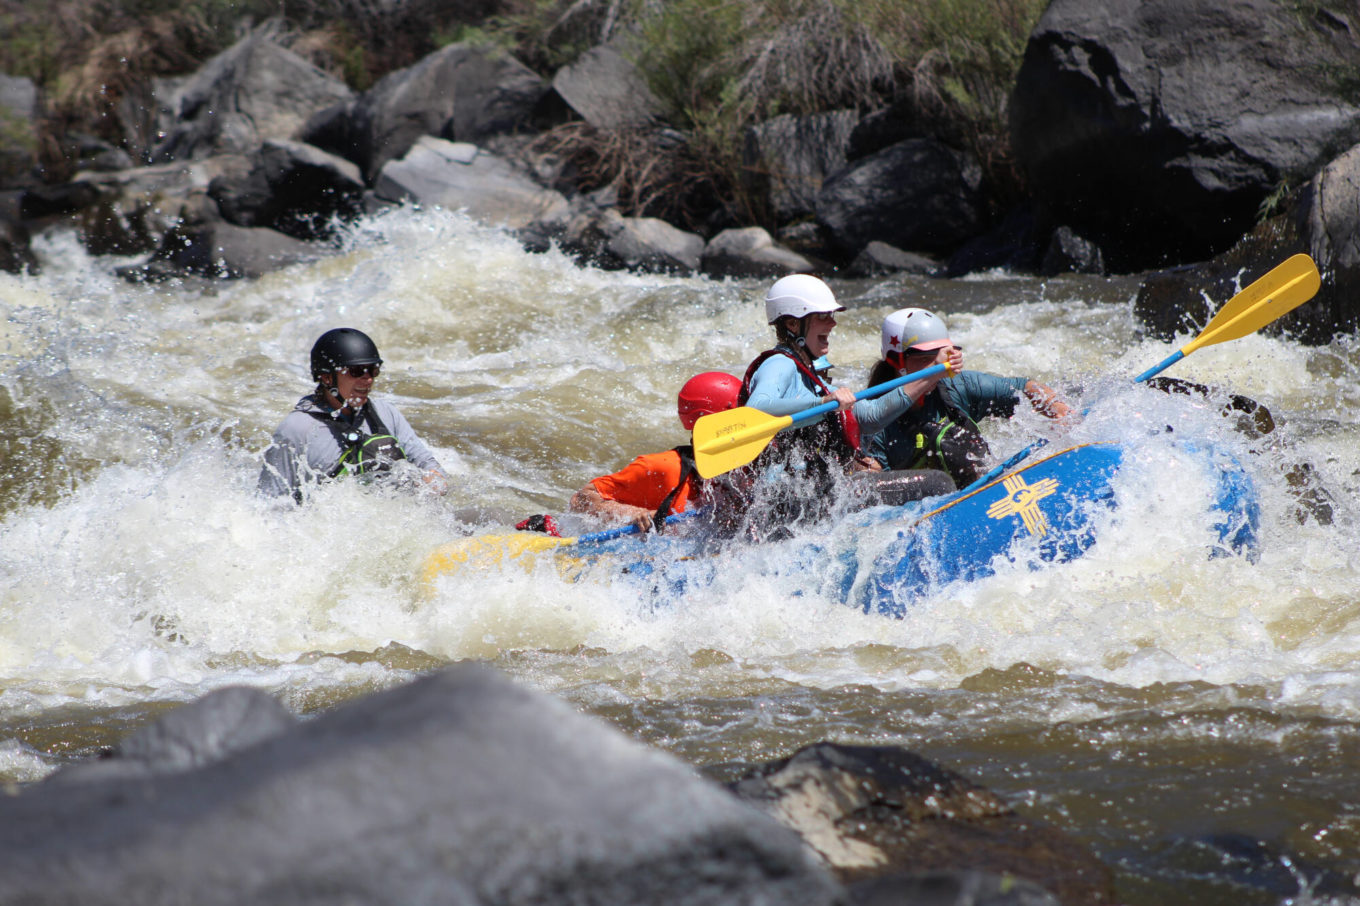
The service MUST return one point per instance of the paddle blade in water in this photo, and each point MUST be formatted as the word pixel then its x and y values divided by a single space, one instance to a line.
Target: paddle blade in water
pixel 484 551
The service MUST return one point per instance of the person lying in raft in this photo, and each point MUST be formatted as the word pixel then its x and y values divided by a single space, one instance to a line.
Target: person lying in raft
pixel 940 429
pixel 338 430
pixel 798 476
pixel 655 485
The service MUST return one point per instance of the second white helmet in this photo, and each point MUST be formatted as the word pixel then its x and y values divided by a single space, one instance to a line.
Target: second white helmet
pixel 797 296
pixel 914 328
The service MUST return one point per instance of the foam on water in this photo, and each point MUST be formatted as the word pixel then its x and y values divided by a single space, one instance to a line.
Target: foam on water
pixel 160 575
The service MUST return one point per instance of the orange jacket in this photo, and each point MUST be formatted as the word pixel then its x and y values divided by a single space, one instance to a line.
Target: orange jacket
pixel 646 481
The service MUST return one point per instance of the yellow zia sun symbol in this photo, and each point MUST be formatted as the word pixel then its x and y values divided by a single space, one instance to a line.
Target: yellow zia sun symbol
pixel 1023 499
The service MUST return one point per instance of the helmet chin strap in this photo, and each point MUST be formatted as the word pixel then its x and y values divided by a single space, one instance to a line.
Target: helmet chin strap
pixel 333 391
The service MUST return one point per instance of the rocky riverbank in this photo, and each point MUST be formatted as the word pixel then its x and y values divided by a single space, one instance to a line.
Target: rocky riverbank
pixel 1199 143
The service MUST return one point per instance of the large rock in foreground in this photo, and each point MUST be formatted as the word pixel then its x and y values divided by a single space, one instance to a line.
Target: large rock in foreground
pixel 1158 128
pixel 460 788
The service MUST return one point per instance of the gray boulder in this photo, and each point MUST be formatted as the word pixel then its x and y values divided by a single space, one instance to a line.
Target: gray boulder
pixel 918 195
pixel 459 788
pixel 462 92
pixel 879 259
pixel 201 244
pixel 606 89
pixel 460 176
pixel 1322 219
pixel 649 244
pixel 750 252
pixel 133 209
pixel 592 231
pixel 1156 129
pixel 253 91
pixel 879 812
pixel 1330 211
pixel 20 110
pixel 1070 253
pixel 792 156
pixel 291 187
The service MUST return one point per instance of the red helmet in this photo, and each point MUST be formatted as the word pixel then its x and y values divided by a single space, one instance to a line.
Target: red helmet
pixel 704 394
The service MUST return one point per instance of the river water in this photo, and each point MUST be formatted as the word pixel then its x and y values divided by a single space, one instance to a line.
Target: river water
pixel 1194 720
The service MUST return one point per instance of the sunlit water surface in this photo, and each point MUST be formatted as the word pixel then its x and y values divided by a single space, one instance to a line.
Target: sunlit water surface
pixel 1195 720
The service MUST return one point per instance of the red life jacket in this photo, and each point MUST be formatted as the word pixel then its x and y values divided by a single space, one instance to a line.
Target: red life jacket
pixel 848 435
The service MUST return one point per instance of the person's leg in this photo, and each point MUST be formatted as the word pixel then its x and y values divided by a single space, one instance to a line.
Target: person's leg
pixel 901 486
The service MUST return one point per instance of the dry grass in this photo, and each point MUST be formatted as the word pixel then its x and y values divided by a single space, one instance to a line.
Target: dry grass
pixel 821 60
pixel 656 173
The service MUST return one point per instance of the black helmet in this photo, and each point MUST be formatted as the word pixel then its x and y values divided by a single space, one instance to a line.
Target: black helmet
pixel 341 347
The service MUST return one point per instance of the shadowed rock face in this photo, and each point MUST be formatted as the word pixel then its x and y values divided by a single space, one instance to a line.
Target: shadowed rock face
pixel 461 93
pixel 877 812
pixel 1158 128
pixel 458 788
pixel 252 92
pixel 917 194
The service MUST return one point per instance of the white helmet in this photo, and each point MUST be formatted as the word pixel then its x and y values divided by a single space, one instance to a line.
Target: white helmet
pixel 914 328
pixel 797 296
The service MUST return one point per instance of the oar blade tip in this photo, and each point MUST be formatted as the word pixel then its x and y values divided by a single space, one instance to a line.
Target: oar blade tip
pixel 483 552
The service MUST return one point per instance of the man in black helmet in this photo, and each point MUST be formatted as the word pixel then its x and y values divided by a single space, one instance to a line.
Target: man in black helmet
pixel 338 430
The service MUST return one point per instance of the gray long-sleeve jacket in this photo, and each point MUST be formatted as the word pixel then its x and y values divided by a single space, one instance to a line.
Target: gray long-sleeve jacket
pixel 306 449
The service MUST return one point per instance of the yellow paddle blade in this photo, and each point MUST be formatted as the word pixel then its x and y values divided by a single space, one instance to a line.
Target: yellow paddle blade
pixel 724 441
pixel 484 551
pixel 1283 289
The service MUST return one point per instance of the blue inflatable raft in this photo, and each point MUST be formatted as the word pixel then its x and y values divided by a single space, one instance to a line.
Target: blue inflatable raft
pixel 1046 511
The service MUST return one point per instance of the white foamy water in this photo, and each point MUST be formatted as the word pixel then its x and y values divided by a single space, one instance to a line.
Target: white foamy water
pixel 157 571
pixel 1114 695
pixel 139 566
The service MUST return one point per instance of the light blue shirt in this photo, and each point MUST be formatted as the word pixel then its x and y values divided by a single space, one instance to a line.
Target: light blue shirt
pixel 779 387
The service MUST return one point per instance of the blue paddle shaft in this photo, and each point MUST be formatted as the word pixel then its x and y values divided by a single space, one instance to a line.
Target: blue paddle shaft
pixel 629 529
pixel 1018 458
pixel 867 393
pixel 1161 366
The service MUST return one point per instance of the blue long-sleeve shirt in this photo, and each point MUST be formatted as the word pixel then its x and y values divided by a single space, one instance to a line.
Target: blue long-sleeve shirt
pixel 976 394
pixel 779 387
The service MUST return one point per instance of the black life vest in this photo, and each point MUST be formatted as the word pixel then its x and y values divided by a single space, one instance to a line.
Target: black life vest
pixel 686 454
pixel 364 454
pixel 952 443
pixel 950 446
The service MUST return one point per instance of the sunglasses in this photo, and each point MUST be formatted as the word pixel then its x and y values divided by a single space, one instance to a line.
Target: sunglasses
pixel 358 371
pixel 897 358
